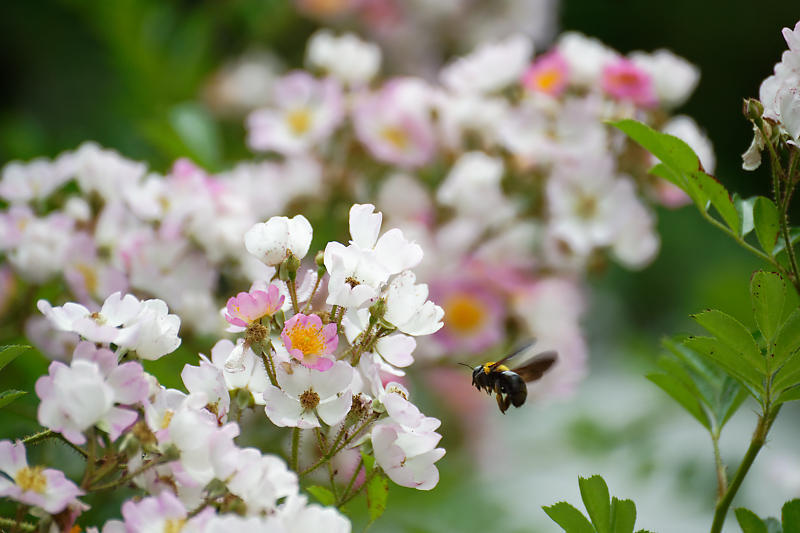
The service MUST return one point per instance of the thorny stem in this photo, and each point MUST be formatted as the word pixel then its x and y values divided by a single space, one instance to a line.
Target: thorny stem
pixel 292 284
pixel 90 459
pixel 323 449
pixel 352 480
pixel 22 510
pixel 782 201
pixel 22 526
pixel 313 293
pixel 129 476
pixel 36 438
pixel 722 476
pixel 333 451
pixel 267 360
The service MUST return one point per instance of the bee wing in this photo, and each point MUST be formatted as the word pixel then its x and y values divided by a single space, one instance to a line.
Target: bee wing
pixel 536 367
pixel 513 354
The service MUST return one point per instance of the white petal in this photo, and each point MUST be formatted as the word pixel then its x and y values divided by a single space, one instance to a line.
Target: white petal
pixel 364 225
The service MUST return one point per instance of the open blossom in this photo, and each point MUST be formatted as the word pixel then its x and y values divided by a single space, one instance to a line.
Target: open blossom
pixel 76 397
pixel 163 512
pixel 624 80
pixel 674 78
pixel 153 332
pixel 208 379
pixel 307 394
pixel 247 369
pixel 42 487
pixel 549 74
pixel 408 307
pixel 245 308
pixel 405 443
pixel 272 241
pixel 491 67
pixel 98 326
pixel 347 57
pixel 308 341
pixel 306 113
pixel 395 349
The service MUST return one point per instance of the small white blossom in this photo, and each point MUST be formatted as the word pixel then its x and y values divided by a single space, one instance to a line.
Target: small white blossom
pixel 272 241
pixel 347 57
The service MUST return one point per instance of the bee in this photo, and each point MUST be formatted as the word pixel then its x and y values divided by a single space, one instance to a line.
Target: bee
pixel 509 386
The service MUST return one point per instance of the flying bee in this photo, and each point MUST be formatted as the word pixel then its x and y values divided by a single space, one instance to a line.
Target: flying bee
pixel 509 385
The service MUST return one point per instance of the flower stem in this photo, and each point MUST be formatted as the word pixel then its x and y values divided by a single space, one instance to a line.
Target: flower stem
pixel 759 437
pixel 268 366
pixel 352 480
pixel 38 437
pixel 333 451
pixel 21 526
pixel 292 284
pixel 313 293
pixel 295 445
pixel 323 448
pixel 129 476
pixel 722 477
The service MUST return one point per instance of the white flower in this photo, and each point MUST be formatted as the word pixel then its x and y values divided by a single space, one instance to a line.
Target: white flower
pixel 208 379
pixel 153 332
pixel 489 68
pixel 248 372
pixel 307 394
pixel 272 241
pixel 297 516
pixel 585 56
pixel 473 187
pixel 103 171
pixel 408 307
pixel 35 180
pixel 348 58
pixel 395 349
pixel 100 326
pixel 674 77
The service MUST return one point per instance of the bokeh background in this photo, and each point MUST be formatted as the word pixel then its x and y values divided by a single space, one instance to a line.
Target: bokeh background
pixel 129 73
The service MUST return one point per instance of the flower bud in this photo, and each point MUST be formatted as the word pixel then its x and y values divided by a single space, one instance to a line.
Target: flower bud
pixel 292 266
pixel 753 109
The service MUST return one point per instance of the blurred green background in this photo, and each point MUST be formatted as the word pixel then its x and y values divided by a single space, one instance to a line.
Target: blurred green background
pixel 127 73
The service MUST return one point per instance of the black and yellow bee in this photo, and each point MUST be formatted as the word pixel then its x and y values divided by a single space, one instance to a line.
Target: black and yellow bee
pixel 509 385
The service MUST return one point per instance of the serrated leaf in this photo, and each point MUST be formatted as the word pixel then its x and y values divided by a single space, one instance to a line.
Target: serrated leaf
pixel 664 172
pixel 677 370
pixel 695 362
pixel 744 206
pixel 790 516
pixel 6 397
pixel 623 516
pixel 672 151
pixel 682 395
pixel 597 501
pixel 729 361
pixel 377 494
pixel 789 395
pixel 749 521
pixel 718 196
pixel 734 335
pixel 569 518
pixel 322 494
pixel 766 220
pixel 11 352
pixel 787 341
pixel 767 294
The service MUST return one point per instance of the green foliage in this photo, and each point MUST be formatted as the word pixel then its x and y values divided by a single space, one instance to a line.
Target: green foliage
pixel 7 355
pixel 377 495
pixel 704 390
pixel 322 494
pixel 765 222
pixel 768 295
pixel 790 520
pixel 607 515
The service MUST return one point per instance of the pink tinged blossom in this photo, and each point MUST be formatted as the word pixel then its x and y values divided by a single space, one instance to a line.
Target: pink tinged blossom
pixel 272 241
pixel 408 307
pixel 34 180
pixel 348 58
pixel 395 349
pixel 474 315
pixel 248 374
pixel 792 37
pixel 306 112
pixel 308 341
pixel 549 74
pixel 208 379
pixel 297 516
pixel 307 396
pixel 245 308
pixel 164 512
pixel 623 80
pixel 394 131
pixel 153 332
pixel 100 326
pixel 41 487
pixel 77 397
pixel 490 68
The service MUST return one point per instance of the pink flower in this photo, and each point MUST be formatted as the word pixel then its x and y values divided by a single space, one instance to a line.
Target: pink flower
pixel 245 308
pixel 549 74
pixel 308 341
pixel 624 80
pixel 43 487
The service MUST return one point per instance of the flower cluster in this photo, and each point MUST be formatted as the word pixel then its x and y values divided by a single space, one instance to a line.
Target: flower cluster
pixel 323 359
pixel 779 105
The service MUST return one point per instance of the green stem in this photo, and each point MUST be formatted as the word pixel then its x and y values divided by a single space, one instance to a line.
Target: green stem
pixel 352 480
pixel 744 244
pixel 267 360
pixel 292 284
pixel 131 475
pixel 333 451
pixel 367 479
pixel 38 437
pixel 295 446
pixel 23 526
pixel 307 307
pixel 722 477
pixel 90 458
pixel 757 442
pixel 323 448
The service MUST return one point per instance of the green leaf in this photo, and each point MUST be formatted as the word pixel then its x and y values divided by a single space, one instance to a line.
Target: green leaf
pixel 369 460
pixel 623 516
pixel 570 519
pixel 6 397
pixel 744 206
pixel 788 375
pixel 734 335
pixel 732 397
pixel 719 197
pixel 794 238
pixel 698 388
pixel 11 352
pixel 664 172
pixel 787 342
pixel 773 526
pixel 767 294
pixel 323 495
pixel 789 395
pixel 198 131
pixel 594 493
pixel 682 395
pixel 377 494
pixel 672 151
pixel 790 516
pixel 766 222
pixel 749 521
pixel 729 361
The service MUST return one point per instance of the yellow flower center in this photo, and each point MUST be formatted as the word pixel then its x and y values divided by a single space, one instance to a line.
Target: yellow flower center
pixel 547 79
pixel 31 478
pixel 166 419
pixel 395 136
pixel 174 525
pixel 299 120
pixel 464 313
pixel 307 338
pixel 89 277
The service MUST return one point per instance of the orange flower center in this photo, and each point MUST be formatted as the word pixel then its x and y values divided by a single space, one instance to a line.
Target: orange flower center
pixel 307 338
pixel 547 79
pixel 464 313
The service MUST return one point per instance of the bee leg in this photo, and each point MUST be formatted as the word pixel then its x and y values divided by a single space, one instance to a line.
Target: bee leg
pixel 502 402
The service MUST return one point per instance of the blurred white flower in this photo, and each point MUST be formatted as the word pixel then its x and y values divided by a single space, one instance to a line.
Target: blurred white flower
pixel 346 57
pixel 490 67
